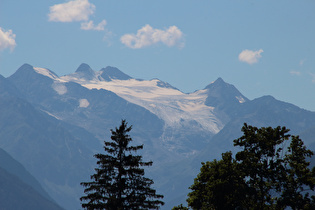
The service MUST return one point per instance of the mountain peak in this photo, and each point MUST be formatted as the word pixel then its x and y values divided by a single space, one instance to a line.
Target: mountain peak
pixel 223 95
pixel 25 68
pixel 110 73
pixel 85 71
pixel 84 68
pixel 217 83
pixel 26 71
pixel 219 80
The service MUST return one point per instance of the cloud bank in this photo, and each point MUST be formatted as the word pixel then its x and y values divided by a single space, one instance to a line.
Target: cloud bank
pixel 90 26
pixel 76 10
pixel 7 39
pixel 249 56
pixel 147 36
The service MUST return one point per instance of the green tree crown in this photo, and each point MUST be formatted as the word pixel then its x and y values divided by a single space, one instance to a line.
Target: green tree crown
pixel 265 174
pixel 119 181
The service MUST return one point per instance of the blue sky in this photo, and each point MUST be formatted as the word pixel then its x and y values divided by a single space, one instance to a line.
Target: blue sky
pixel 261 47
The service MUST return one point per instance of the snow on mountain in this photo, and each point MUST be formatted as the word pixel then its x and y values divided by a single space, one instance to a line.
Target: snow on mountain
pixel 46 72
pixel 175 108
pixel 240 99
pixel 109 73
pixel 169 104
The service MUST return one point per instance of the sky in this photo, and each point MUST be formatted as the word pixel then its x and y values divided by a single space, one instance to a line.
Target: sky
pixel 261 47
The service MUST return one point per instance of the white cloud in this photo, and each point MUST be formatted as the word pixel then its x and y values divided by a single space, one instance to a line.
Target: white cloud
pixel 296 73
pixel 147 36
pixel 313 77
pixel 90 26
pixel 76 10
pixel 7 39
pixel 249 56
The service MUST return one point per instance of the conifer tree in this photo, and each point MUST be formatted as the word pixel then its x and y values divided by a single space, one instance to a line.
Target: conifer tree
pixel 119 181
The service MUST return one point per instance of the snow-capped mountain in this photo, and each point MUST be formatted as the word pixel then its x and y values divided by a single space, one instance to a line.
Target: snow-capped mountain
pixel 181 114
pixel 178 130
pixel 169 104
pixel 174 107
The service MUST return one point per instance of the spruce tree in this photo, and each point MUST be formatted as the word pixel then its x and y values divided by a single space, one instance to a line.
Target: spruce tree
pixel 119 181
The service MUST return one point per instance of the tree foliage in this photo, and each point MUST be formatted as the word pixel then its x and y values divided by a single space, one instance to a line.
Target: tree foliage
pixel 119 181
pixel 217 185
pixel 265 174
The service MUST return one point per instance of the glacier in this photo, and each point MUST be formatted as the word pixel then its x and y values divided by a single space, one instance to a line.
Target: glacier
pixel 169 104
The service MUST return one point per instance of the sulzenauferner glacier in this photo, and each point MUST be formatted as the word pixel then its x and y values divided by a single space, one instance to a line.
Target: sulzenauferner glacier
pixel 169 104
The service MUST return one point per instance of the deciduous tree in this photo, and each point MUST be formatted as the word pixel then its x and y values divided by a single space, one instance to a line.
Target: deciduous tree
pixel 299 179
pixel 219 185
pixel 271 171
pixel 261 160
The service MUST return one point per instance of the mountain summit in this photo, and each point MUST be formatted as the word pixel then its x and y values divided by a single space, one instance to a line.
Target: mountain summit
pixel 84 71
pixel 223 96
pixel 24 72
pixel 84 68
pixel 28 72
pixel 109 73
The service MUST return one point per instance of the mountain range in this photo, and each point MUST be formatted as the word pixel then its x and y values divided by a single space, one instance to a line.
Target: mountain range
pixel 52 125
pixel 19 189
